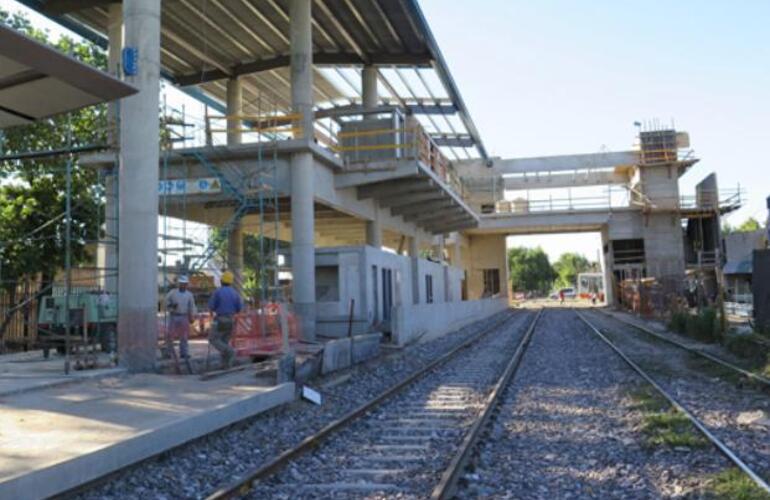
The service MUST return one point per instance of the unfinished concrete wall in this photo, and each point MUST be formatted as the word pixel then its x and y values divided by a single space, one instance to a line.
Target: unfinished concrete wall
pixel 427 321
pixel 660 184
pixel 663 246
pixel 356 273
pixel 485 252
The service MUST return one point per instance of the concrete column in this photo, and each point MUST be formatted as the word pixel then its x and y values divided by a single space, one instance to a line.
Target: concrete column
pixel 438 248
pixel 369 96
pixel 414 255
pixel 234 108
pixel 235 255
pixel 302 170
pixel 234 137
pixel 374 229
pixel 606 264
pixel 457 260
pixel 414 247
pixel 138 232
pixel 107 252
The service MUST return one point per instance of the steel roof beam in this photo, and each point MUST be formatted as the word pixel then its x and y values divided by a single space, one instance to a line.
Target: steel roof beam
pixel 319 59
pixel 446 78
pixel 321 4
pixel 457 141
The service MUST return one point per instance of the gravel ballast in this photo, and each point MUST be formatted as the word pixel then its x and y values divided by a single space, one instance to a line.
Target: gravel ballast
pixel 566 428
pixel 196 469
pixel 400 448
pixel 735 412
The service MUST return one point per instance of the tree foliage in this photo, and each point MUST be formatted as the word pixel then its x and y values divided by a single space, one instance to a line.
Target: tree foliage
pixel 530 270
pixel 568 267
pixel 32 191
pixel 258 263
pixel 749 225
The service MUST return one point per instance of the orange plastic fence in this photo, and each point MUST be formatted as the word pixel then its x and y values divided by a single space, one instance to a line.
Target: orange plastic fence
pixel 198 329
pixel 259 331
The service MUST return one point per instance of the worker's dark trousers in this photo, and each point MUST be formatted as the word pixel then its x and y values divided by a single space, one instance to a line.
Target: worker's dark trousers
pixel 219 337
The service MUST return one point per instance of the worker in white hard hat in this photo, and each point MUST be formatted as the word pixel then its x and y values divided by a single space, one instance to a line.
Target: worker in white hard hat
pixel 180 306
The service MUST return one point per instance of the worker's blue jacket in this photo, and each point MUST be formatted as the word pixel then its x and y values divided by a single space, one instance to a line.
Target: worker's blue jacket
pixel 225 301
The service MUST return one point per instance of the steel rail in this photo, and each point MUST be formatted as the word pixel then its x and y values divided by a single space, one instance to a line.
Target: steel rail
pixel 446 486
pixel 241 485
pixel 722 447
pixel 715 359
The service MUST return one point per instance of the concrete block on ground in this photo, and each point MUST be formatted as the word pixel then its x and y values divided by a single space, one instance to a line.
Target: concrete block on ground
pixel 337 355
pixel 307 367
pixel 365 347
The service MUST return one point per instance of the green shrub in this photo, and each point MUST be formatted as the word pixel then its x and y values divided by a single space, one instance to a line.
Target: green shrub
pixel 678 322
pixel 751 347
pixel 704 326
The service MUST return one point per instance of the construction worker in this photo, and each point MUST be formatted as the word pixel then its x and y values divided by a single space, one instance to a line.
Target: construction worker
pixel 180 306
pixel 224 303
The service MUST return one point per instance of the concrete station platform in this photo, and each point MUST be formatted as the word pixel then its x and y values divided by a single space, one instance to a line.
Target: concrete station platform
pixel 56 438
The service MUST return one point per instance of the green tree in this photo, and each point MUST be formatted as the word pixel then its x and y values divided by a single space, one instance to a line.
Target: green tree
pixel 32 192
pixel 568 267
pixel 258 262
pixel 530 270
pixel 749 225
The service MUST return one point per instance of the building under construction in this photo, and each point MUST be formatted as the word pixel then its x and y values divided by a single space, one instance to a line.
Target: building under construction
pixel 336 135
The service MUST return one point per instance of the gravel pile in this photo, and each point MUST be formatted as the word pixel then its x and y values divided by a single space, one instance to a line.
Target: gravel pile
pixel 735 413
pixel 401 448
pixel 194 470
pixel 567 429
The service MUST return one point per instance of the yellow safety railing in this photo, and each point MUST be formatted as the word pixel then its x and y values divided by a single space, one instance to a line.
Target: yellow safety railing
pixel 274 123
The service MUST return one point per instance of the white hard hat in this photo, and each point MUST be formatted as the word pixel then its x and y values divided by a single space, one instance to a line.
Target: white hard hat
pixel 183 279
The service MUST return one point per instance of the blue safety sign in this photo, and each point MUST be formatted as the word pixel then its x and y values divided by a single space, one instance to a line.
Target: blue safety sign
pixel 130 61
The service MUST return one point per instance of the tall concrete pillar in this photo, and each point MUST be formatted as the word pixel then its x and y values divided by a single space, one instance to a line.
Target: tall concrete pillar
pixel 414 255
pixel 234 108
pixel 138 191
pixel 606 264
pixel 438 248
pixel 107 252
pixel 369 96
pixel 457 257
pixel 234 137
pixel 369 100
pixel 374 229
pixel 302 171
pixel 414 247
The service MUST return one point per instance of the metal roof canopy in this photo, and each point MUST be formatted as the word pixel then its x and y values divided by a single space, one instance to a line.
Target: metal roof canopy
pixel 204 42
pixel 37 81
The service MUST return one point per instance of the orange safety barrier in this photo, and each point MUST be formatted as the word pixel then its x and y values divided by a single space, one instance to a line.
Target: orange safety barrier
pixel 198 329
pixel 258 332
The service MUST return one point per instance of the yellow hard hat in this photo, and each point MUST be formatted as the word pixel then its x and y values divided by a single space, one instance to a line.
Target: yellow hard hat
pixel 227 278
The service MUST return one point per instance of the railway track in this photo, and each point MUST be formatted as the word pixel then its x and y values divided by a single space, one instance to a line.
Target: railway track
pixel 710 434
pixel 413 440
pixel 760 380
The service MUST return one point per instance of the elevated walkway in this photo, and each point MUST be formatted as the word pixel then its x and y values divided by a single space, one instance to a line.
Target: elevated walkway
pixel 544 222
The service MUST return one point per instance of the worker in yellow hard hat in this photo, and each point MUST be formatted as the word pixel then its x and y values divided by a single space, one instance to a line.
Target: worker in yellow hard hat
pixel 224 303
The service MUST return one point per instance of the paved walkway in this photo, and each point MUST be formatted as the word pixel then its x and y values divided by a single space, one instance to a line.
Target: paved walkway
pixel 54 439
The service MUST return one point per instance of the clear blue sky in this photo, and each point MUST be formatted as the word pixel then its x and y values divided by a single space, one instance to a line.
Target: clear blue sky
pixel 567 76
pixel 560 76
